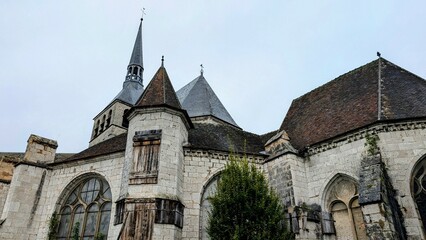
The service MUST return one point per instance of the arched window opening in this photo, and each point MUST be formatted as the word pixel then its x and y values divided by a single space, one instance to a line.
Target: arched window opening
pixel 125 122
pixel 86 209
pixel 418 189
pixel 101 128
pixel 96 129
pixel 345 209
pixel 205 206
pixel 108 121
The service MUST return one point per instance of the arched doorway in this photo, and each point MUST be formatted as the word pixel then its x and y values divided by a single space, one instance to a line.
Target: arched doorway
pixel 85 209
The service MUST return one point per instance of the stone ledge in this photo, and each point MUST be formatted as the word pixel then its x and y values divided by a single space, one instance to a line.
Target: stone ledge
pixel 360 133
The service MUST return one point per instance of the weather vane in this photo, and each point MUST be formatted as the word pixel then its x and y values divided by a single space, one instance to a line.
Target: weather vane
pixel 143 13
pixel 202 69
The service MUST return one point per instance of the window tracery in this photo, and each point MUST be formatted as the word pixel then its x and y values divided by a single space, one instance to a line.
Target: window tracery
pixel 345 210
pixel 86 209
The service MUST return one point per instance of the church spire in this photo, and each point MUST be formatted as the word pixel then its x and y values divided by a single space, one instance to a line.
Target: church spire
pixel 135 68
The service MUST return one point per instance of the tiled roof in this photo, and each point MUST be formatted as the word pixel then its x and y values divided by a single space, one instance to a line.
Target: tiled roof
pixel 351 101
pixel 113 145
pixel 204 136
pixel 159 92
pixel 199 99
pixel 224 138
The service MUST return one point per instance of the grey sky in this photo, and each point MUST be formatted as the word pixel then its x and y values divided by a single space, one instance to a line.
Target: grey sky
pixel 63 61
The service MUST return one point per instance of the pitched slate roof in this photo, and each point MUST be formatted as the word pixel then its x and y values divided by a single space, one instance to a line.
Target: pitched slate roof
pixel 351 101
pixel 112 145
pixel 199 99
pixel 226 138
pixel 131 92
pixel 159 91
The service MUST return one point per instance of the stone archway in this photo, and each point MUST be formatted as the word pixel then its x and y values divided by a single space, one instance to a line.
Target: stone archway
pixel 342 202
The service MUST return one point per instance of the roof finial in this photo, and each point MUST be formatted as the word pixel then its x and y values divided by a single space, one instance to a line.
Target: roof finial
pixel 143 13
pixel 162 61
pixel 202 69
pixel 378 54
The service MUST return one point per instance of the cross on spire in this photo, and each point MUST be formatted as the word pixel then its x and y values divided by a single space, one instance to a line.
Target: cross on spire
pixel 143 13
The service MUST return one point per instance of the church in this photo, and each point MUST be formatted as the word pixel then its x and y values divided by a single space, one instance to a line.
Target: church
pixel 348 162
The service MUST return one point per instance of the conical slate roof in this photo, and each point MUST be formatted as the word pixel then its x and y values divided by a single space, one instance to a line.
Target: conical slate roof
pixel 137 57
pixel 199 99
pixel 159 91
pixel 351 101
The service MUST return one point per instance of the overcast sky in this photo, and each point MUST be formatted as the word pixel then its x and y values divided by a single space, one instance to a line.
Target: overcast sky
pixel 62 62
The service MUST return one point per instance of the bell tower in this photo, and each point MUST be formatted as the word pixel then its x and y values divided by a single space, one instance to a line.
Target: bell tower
pixel 111 122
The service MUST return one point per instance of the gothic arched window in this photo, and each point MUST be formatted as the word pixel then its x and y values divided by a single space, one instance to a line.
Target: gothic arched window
pixel 418 189
pixel 205 205
pixel 343 204
pixel 86 210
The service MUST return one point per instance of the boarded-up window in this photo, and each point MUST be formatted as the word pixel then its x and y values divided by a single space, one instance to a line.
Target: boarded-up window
pixel 146 151
pixel 169 212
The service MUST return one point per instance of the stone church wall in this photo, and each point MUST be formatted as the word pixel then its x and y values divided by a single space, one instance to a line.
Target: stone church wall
pixel 200 167
pixel 110 167
pixel 401 150
pixel 4 189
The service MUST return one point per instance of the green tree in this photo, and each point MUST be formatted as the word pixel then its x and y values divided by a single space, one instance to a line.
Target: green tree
pixel 244 207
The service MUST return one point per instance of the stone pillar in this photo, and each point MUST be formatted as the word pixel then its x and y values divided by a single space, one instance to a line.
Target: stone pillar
pixel 382 216
pixel 18 220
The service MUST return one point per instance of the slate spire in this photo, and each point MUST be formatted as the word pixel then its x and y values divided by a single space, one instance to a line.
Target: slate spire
pixel 133 84
pixel 159 91
pixel 135 68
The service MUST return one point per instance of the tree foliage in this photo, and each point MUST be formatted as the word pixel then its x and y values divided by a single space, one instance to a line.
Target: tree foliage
pixel 244 207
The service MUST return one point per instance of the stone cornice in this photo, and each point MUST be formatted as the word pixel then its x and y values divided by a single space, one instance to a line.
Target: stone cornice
pixel 162 108
pixel 219 155
pixel 381 127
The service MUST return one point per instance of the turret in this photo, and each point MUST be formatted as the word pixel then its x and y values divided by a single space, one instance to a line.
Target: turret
pixel 153 170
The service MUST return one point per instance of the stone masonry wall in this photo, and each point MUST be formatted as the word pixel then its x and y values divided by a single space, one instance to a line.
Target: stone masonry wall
pixel 170 177
pixel 287 176
pixel 22 202
pixel 4 189
pixel 115 128
pixel 400 149
pixel 108 167
pixel 200 167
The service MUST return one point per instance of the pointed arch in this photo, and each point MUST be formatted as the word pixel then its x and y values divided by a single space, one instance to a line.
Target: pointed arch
pixel 340 197
pixel 209 189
